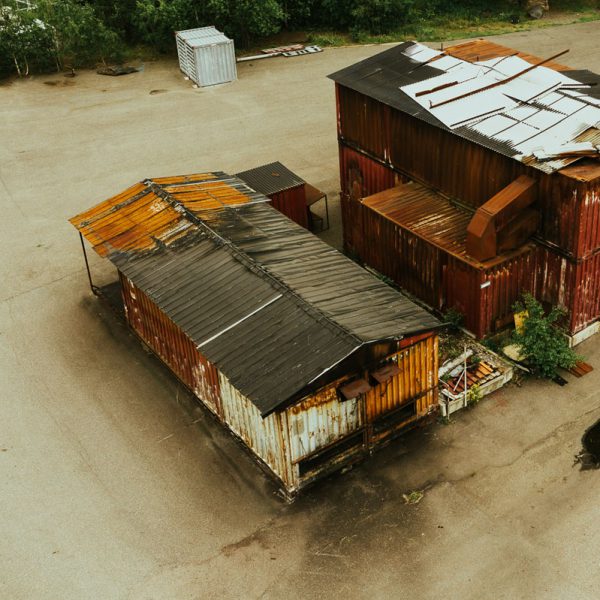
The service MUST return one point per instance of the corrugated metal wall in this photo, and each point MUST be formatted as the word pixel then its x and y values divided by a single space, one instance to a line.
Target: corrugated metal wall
pixel 372 175
pixel 321 420
pixel 267 437
pixel 588 232
pixel 171 344
pixel 377 142
pixel 440 279
pixel 215 64
pixel 570 283
pixel 292 203
pixel 417 379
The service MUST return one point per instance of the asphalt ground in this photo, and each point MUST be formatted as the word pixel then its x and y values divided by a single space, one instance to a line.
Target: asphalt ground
pixel 115 486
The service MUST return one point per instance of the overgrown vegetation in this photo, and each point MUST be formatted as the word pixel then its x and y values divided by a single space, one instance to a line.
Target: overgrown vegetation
pixel 542 339
pixel 38 35
pixel 454 318
pixel 474 395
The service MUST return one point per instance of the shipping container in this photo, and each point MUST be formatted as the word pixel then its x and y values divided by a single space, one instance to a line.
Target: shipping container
pixel 570 284
pixel 421 245
pixel 206 56
pixel 311 361
pixel 285 189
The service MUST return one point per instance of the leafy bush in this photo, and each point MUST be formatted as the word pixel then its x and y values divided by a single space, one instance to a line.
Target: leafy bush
pixel 155 21
pixel 542 340
pixel 244 20
pixel 454 318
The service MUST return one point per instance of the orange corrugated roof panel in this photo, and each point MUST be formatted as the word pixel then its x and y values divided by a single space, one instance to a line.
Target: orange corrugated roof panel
pixel 155 210
pixel 480 50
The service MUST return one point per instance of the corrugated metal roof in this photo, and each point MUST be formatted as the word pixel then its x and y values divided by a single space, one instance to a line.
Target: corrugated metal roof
pixel 271 179
pixel 203 36
pixel 556 115
pixel 268 303
pixel 431 217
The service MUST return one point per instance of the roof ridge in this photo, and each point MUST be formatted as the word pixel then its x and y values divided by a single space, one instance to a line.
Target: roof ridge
pixel 250 262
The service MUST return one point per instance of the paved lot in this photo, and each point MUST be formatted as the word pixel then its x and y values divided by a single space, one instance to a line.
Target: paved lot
pixel 112 487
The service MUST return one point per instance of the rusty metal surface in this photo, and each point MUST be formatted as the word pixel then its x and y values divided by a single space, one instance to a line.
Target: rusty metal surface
pixel 419 250
pixel 142 217
pixel 372 176
pixel 354 388
pixel 566 203
pixel 501 222
pixel 320 421
pixel 477 374
pixel 416 380
pixel 429 216
pixel 480 50
pixel 265 436
pixel 572 284
pixel 368 97
pixel 271 178
pixel 292 203
pixel 171 344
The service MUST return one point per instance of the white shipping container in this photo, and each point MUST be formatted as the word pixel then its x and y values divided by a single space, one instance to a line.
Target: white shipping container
pixel 206 56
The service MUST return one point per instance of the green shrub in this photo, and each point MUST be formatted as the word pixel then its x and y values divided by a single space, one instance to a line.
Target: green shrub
pixel 542 340
pixel 454 318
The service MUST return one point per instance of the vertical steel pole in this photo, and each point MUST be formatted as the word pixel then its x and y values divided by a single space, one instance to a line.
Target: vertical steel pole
pixel 87 267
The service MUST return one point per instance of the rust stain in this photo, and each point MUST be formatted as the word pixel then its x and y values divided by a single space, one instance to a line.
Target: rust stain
pixel 171 344
pixel 136 218
pixel 480 50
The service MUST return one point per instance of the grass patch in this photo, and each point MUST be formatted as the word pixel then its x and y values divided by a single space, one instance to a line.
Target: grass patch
pixel 461 24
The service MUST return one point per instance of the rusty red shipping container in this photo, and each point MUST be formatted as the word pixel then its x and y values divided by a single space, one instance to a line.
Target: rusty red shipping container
pixel 292 203
pixel 572 284
pixel 421 240
pixel 285 189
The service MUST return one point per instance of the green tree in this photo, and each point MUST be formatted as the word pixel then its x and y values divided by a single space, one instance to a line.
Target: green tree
pixel 245 20
pixel 542 340
pixel 26 43
pixel 80 37
pixel 155 21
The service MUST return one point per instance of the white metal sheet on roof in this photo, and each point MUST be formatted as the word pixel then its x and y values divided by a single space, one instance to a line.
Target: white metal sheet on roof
pixel 543 119
pixel 421 53
pixel 537 109
pixel 493 125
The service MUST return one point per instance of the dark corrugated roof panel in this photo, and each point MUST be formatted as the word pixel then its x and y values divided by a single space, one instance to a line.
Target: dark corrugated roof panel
pixel 271 179
pixel 267 302
pixel 322 277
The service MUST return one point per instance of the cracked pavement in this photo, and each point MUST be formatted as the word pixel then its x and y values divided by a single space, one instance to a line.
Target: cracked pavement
pixel 114 485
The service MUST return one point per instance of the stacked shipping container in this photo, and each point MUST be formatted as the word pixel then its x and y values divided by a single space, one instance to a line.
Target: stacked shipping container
pixel 382 142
